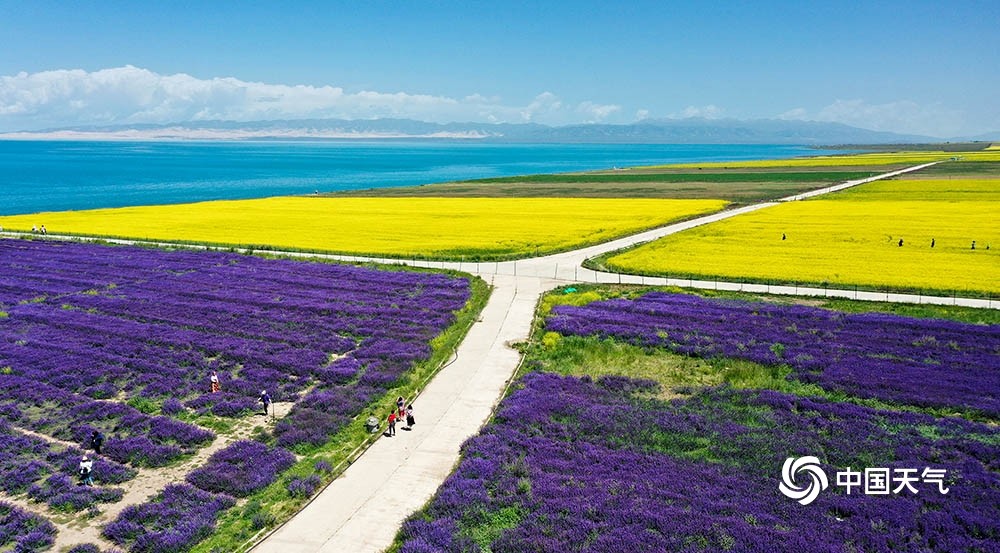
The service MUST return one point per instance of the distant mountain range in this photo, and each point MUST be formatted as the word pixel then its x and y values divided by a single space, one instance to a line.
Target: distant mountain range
pixel 649 131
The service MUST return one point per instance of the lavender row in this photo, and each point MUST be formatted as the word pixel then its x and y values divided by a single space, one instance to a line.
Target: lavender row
pixel 23 532
pixel 921 362
pixel 179 517
pixel 241 468
pixel 570 465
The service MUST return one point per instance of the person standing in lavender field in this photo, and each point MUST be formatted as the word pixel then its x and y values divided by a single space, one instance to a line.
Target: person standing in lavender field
pixel 96 441
pixel 86 471
pixel 265 398
pixel 214 379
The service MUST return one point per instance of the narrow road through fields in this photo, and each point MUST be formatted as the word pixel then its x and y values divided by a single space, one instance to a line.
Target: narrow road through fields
pixel 362 510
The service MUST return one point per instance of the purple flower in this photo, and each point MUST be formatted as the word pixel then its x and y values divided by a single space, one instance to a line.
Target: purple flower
pixel 921 362
pixel 24 532
pixel 176 519
pixel 241 468
pixel 569 465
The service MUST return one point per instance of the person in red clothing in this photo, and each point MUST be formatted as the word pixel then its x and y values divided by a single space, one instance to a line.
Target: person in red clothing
pixel 392 424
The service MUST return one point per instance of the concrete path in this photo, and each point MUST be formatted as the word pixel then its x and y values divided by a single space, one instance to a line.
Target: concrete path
pixel 364 508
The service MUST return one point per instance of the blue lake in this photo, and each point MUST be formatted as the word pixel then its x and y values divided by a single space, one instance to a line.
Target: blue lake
pixel 56 176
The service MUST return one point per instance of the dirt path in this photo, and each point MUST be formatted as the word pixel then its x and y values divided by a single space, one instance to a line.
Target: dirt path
pixel 75 529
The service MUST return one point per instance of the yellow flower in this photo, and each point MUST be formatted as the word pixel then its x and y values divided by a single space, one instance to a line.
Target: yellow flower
pixel 402 227
pixel 849 238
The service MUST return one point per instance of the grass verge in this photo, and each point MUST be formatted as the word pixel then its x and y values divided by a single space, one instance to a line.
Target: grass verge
pixel 740 187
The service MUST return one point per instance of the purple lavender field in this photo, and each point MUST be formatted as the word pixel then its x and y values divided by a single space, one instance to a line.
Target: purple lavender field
pixel 573 465
pixel 927 363
pixel 21 531
pixel 180 517
pixel 570 464
pixel 85 323
pixel 123 340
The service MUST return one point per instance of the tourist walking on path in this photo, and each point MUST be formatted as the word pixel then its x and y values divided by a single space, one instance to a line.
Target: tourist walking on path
pixel 392 424
pixel 214 379
pixel 86 471
pixel 265 399
pixel 410 421
pixel 400 411
pixel 96 441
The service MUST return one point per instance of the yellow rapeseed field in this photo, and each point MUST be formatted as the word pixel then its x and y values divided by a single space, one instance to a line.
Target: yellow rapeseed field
pixel 880 158
pixel 402 227
pixel 851 238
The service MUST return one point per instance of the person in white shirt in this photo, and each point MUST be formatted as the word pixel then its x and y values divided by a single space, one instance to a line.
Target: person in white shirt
pixel 86 471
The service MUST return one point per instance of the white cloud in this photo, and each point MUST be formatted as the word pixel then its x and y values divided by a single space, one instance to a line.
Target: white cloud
pixel 641 114
pixel 796 114
pixel 710 111
pixel 543 103
pixel 902 116
pixel 124 95
pixel 597 112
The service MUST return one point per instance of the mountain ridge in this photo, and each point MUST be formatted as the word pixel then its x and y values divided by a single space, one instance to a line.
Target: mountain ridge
pixel 648 131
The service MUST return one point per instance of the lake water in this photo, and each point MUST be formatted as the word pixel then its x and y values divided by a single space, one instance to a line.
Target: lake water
pixel 56 176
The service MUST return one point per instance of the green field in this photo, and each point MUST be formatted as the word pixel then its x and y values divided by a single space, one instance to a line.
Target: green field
pixel 962 169
pixel 738 186
pixel 595 357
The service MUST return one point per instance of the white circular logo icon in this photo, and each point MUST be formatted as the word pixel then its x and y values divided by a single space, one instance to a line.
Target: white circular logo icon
pixel 817 479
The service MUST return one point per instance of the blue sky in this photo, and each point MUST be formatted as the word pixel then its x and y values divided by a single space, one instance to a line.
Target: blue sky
pixel 913 67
